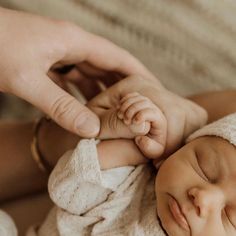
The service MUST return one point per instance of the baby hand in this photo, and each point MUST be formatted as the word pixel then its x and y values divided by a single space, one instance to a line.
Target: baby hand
pixel 146 120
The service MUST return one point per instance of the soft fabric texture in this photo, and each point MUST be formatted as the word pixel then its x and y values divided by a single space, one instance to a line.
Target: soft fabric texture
pixel 119 201
pixel 224 128
pixel 188 44
pixel 7 226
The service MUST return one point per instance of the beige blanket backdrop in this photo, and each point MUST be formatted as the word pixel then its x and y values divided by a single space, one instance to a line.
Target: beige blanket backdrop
pixel 188 44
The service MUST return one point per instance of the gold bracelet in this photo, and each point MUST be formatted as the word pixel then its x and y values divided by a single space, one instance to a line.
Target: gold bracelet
pixel 37 156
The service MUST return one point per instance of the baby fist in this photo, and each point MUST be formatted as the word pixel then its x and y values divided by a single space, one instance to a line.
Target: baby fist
pixel 145 118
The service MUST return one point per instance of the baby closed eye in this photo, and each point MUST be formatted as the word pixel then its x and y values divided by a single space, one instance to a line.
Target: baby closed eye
pixel 208 165
pixel 211 171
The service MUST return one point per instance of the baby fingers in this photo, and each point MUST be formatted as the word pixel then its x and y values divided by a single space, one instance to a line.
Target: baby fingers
pixel 131 104
pixel 146 114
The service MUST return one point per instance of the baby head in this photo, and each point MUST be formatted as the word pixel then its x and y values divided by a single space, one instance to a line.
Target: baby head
pixel 196 186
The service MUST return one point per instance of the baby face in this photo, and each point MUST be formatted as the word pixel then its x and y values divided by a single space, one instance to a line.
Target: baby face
pixel 196 189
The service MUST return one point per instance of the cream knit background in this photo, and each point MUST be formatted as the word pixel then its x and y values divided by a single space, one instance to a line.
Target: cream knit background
pixel 188 44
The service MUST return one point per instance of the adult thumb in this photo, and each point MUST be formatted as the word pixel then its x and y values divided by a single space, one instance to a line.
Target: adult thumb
pixel 63 108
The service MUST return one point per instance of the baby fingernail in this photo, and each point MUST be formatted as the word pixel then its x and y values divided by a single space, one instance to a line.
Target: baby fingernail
pixel 126 122
pixel 120 115
pixel 136 120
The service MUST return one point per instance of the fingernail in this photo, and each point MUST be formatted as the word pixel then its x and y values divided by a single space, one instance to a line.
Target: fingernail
pixel 88 126
pixel 127 122
pixel 120 115
pixel 136 120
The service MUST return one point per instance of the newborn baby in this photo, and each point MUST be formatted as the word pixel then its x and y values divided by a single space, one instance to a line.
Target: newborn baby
pixel 107 189
pixel 195 187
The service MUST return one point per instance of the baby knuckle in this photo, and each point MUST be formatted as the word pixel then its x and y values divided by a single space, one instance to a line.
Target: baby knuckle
pixel 129 112
pixel 140 116
pixel 125 106
pixel 133 108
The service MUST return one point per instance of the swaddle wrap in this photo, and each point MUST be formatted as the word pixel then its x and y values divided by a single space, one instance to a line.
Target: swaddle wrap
pixel 7 226
pixel 119 201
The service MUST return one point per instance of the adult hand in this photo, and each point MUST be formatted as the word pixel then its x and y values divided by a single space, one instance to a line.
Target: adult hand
pixel 183 116
pixel 33 46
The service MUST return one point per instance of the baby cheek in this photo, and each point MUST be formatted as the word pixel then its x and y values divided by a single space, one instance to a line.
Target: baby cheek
pixel 173 174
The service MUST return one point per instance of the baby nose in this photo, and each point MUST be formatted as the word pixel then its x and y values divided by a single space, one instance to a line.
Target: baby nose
pixel 206 201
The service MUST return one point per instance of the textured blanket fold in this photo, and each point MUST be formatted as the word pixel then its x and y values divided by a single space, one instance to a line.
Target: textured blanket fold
pixel 118 201
pixel 7 226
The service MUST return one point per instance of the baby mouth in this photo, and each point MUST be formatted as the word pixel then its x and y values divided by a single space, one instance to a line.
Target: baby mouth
pixel 177 214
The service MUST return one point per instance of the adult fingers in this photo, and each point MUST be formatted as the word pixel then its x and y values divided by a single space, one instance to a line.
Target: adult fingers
pixel 112 96
pixel 107 77
pixel 61 107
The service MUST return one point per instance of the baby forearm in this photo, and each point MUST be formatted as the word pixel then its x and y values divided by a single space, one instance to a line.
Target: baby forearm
pixel 218 104
pixel 119 152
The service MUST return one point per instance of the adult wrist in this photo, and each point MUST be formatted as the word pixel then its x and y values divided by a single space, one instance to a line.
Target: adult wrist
pixel 36 153
pixel 54 141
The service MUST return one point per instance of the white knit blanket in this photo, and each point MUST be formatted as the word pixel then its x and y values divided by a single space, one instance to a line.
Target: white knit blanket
pixel 118 201
pixel 7 226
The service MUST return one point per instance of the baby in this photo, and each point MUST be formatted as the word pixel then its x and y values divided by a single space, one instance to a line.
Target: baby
pixel 106 187
pixel 195 187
